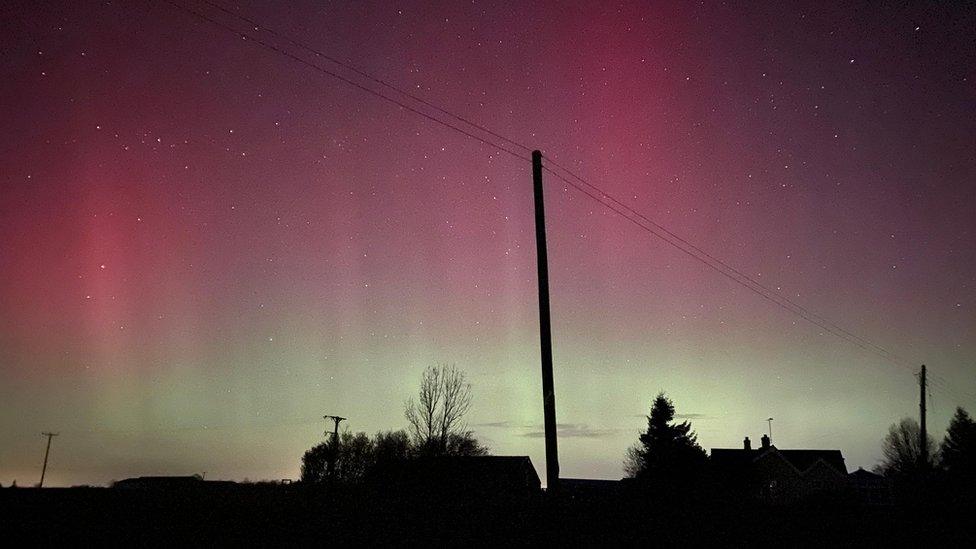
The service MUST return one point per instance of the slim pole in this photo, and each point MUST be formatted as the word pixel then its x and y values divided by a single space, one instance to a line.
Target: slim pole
pixel 923 435
pixel 545 328
pixel 47 452
pixel 335 445
pixel 770 422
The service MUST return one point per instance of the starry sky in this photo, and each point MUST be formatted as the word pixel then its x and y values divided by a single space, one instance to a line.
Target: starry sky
pixel 206 245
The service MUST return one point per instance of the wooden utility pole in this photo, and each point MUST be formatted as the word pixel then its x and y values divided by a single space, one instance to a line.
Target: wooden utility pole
pixel 545 329
pixel 46 453
pixel 335 444
pixel 923 445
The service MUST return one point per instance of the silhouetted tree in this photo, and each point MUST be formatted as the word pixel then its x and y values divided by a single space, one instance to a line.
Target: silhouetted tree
pixel 634 461
pixel 359 456
pixel 464 444
pixel 390 449
pixel 958 449
pixel 436 417
pixel 356 457
pixel 392 445
pixel 667 452
pixel 315 462
pixel 353 461
pixel 902 450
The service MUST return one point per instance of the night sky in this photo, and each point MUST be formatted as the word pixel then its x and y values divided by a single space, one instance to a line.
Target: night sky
pixel 206 245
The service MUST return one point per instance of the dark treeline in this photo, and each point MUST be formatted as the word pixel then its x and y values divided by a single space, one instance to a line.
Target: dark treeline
pixel 675 493
pixel 437 429
pixel 942 472
pixel 667 463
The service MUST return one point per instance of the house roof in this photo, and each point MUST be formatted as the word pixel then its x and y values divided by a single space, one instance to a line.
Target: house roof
pixel 801 459
pixel 861 474
pixel 733 457
pixel 804 459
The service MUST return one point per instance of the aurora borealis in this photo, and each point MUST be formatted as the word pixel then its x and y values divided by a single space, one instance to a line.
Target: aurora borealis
pixel 205 246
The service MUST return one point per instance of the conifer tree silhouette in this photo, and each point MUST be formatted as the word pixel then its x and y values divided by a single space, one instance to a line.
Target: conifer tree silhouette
pixel 667 452
pixel 958 450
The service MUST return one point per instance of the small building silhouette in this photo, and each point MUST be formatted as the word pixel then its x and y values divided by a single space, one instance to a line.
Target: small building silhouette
pixel 590 490
pixel 478 477
pixel 171 483
pixel 871 488
pixel 780 476
pixel 160 483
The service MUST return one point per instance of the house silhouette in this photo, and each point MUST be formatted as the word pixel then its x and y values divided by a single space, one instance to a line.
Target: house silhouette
pixel 779 476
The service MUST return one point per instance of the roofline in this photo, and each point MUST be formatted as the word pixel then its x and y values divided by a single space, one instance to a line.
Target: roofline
pixel 832 468
pixel 803 472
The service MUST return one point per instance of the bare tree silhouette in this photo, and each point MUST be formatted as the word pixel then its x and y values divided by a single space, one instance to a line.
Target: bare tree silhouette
pixel 436 417
pixel 902 450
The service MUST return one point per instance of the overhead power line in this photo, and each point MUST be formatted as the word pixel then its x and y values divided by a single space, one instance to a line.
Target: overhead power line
pixel 696 253
pixel 720 266
pixel 568 176
pixel 341 78
pixel 258 26
pixel 731 273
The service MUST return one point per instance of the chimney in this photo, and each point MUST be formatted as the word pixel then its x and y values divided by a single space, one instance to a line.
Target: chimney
pixel 747 444
pixel 765 442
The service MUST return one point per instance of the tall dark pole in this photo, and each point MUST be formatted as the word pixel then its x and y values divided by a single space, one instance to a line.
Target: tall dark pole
pixel 335 445
pixel 545 328
pixel 46 453
pixel 922 434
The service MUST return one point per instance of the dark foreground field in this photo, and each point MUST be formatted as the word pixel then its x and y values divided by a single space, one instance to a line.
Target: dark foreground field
pixel 294 515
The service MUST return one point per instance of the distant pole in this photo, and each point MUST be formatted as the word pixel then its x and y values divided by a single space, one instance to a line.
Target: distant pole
pixel 47 452
pixel 922 434
pixel 770 422
pixel 335 444
pixel 545 328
